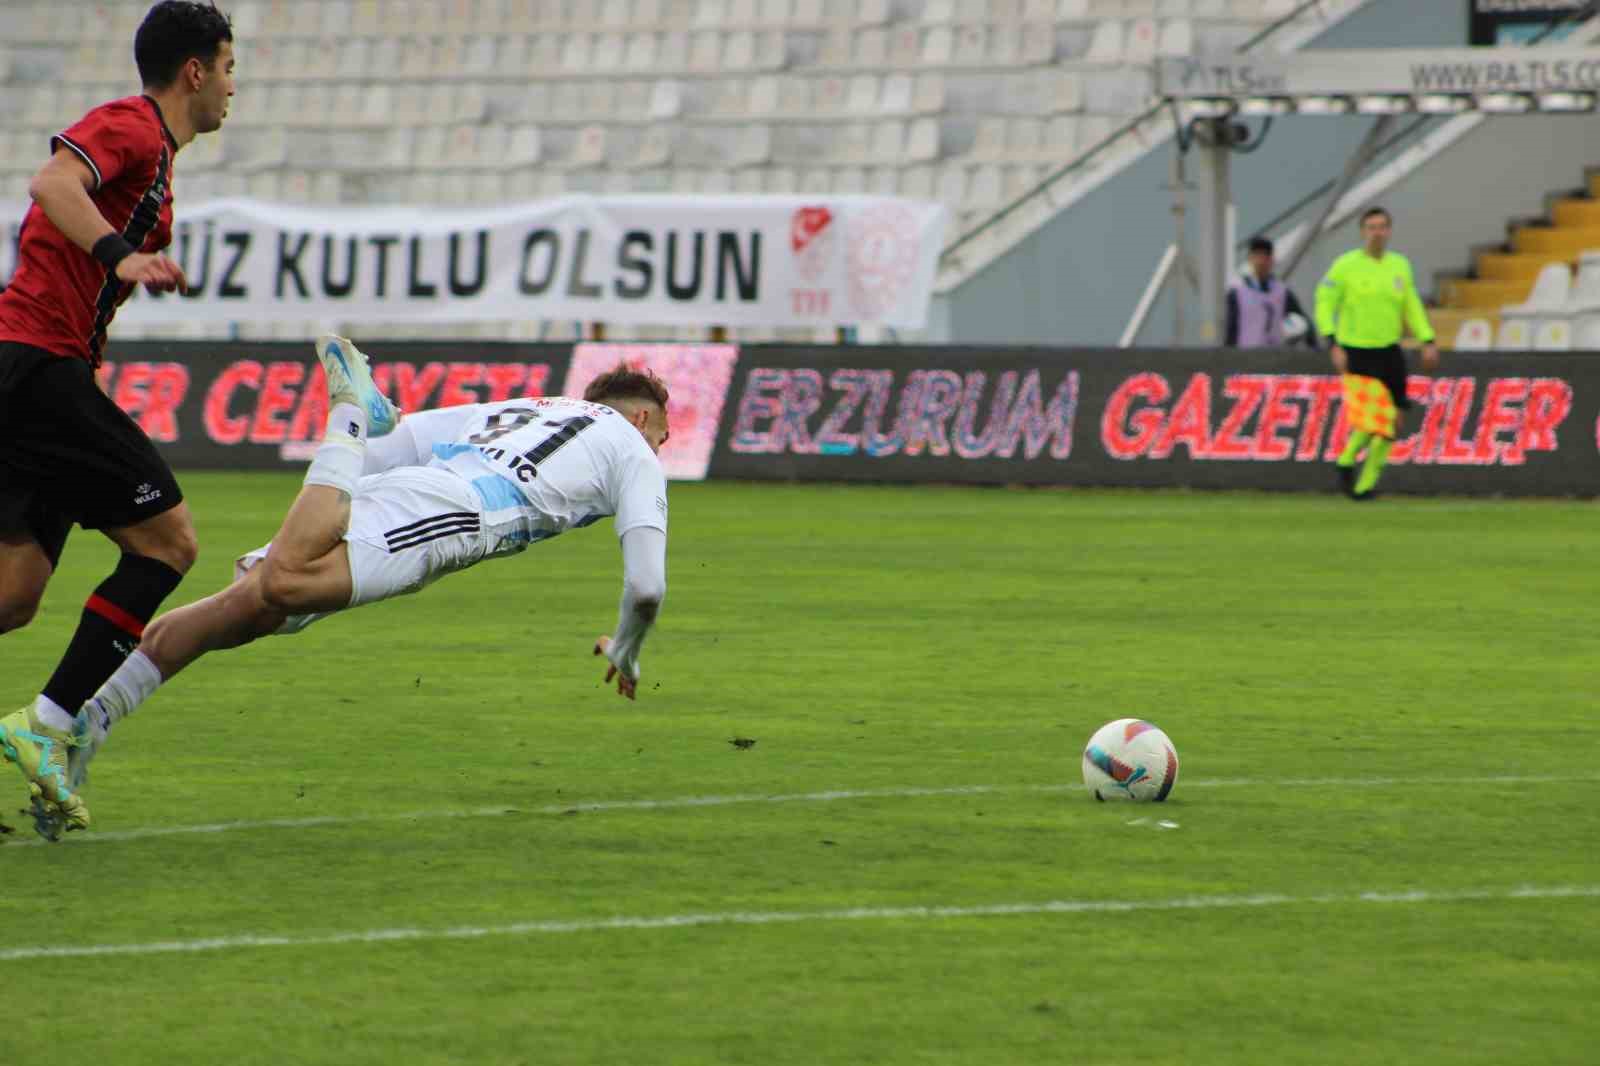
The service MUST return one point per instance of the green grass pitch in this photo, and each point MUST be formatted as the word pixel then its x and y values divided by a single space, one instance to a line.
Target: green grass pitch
pixel 437 837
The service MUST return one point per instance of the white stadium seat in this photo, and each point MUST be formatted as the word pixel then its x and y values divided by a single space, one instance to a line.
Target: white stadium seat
pixel 1139 46
pixel 1176 40
pixel 1474 335
pixel 897 94
pixel 1585 294
pixel 1514 335
pixel 1586 333
pixel 1107 44
pixel 1554 335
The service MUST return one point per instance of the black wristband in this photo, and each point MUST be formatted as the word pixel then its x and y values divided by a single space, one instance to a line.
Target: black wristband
pixel 112 249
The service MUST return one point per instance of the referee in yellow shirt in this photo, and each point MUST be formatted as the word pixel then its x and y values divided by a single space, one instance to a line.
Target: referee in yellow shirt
pixel 1364 302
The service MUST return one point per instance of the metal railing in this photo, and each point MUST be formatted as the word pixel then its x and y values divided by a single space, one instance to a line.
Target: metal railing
pixel 1048 183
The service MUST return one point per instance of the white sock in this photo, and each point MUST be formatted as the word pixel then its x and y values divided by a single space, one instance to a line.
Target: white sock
pixel 52 714
pixel 339 460
pixel 133 683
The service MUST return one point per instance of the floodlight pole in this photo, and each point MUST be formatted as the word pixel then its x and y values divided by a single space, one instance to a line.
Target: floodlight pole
pixel 1209 281
pixel 1215 256
pixel 1353 166
pixel 1180 210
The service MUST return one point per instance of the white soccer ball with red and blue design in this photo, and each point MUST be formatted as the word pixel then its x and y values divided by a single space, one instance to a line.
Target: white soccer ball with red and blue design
pixel 1130 759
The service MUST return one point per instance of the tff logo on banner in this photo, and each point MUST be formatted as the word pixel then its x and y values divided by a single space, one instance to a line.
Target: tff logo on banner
pixel 698 377
pixel 1275 417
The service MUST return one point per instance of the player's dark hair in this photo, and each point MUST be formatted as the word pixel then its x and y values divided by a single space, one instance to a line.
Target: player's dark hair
pixel 625 383
pixel 1260 244
pixel 1372 211
pixel 174 32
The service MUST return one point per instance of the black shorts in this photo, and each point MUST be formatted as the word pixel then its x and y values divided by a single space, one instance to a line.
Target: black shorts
pixel 69 454
pixel 1388 365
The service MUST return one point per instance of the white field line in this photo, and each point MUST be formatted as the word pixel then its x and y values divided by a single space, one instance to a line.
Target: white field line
pixel 832 796
pixel 923 913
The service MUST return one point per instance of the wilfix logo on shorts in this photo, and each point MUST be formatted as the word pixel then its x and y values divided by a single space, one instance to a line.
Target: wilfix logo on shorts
pixel 146 493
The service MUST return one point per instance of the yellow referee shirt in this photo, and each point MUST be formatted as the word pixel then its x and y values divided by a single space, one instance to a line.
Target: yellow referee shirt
pixel 1363 301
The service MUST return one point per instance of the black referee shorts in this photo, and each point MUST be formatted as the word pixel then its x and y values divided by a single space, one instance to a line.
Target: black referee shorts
pixel 1388 365
pixel 69 454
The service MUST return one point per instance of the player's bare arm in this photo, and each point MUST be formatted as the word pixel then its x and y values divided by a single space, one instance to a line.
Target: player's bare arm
pixel 61 189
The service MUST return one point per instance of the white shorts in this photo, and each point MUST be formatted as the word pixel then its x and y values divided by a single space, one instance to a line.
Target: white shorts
pixel 408 527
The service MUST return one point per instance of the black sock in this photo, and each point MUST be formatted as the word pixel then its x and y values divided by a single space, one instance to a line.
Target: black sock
pixel 113 620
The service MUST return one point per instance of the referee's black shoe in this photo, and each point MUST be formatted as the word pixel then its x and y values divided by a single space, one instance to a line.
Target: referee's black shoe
pixel 1347 479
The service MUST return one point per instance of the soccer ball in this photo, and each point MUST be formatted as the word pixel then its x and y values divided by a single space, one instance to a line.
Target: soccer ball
pixel 1130 760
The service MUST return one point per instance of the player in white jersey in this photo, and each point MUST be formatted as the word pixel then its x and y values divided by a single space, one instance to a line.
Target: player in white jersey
pixel 445 490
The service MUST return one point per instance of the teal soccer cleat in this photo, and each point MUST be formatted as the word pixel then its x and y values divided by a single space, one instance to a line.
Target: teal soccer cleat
pixel 350 381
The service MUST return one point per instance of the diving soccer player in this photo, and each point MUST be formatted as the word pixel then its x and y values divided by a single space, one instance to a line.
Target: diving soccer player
pixel 445 490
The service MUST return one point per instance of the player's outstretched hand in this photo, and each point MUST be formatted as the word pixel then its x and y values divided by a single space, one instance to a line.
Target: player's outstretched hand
pixel 625 684
pixel 1430 356
pixel 156 273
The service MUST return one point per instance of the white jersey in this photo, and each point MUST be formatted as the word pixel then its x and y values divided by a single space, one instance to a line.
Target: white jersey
pixel 544 466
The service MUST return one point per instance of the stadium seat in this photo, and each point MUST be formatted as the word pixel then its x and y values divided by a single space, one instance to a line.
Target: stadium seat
pixel 862 95
pixel 917 183
pixel 871 48
pixel 828 96
pixel 1585 295
pixel 1068 91
pixel 889 142
pixel 1004 46
pixel 1586 333
pixel 985 188
pixel 672 56
pixel 753 146
pixel 897 94
pixel 1139 44
pixel 589 149
pixel 1176 40
pixel 930 94
pixel 938 46
pixel 1547 302
pixel 1553 335
pixel 952 189
pixel 871 12
pixel 710 14
pixel 970 47
pixel 922 140
pixel 666 100
pixel 1514 335
pixel 806 13
pixel 990 142
pixel 1107 44
pixel 524 147
pixel 1061 137
pixel 1474 335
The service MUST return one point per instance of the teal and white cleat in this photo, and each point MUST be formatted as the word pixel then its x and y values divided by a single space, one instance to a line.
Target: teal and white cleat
pixel 350 381
pixel 87 738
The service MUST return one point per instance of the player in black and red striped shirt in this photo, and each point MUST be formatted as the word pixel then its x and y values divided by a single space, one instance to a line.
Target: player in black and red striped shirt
pixel 102 214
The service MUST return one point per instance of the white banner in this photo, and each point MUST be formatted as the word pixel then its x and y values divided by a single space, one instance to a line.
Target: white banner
pixel 1397 71
pixel 658 260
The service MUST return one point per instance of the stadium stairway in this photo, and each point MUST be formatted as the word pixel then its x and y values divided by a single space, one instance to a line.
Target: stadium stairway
pixel 1503 275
